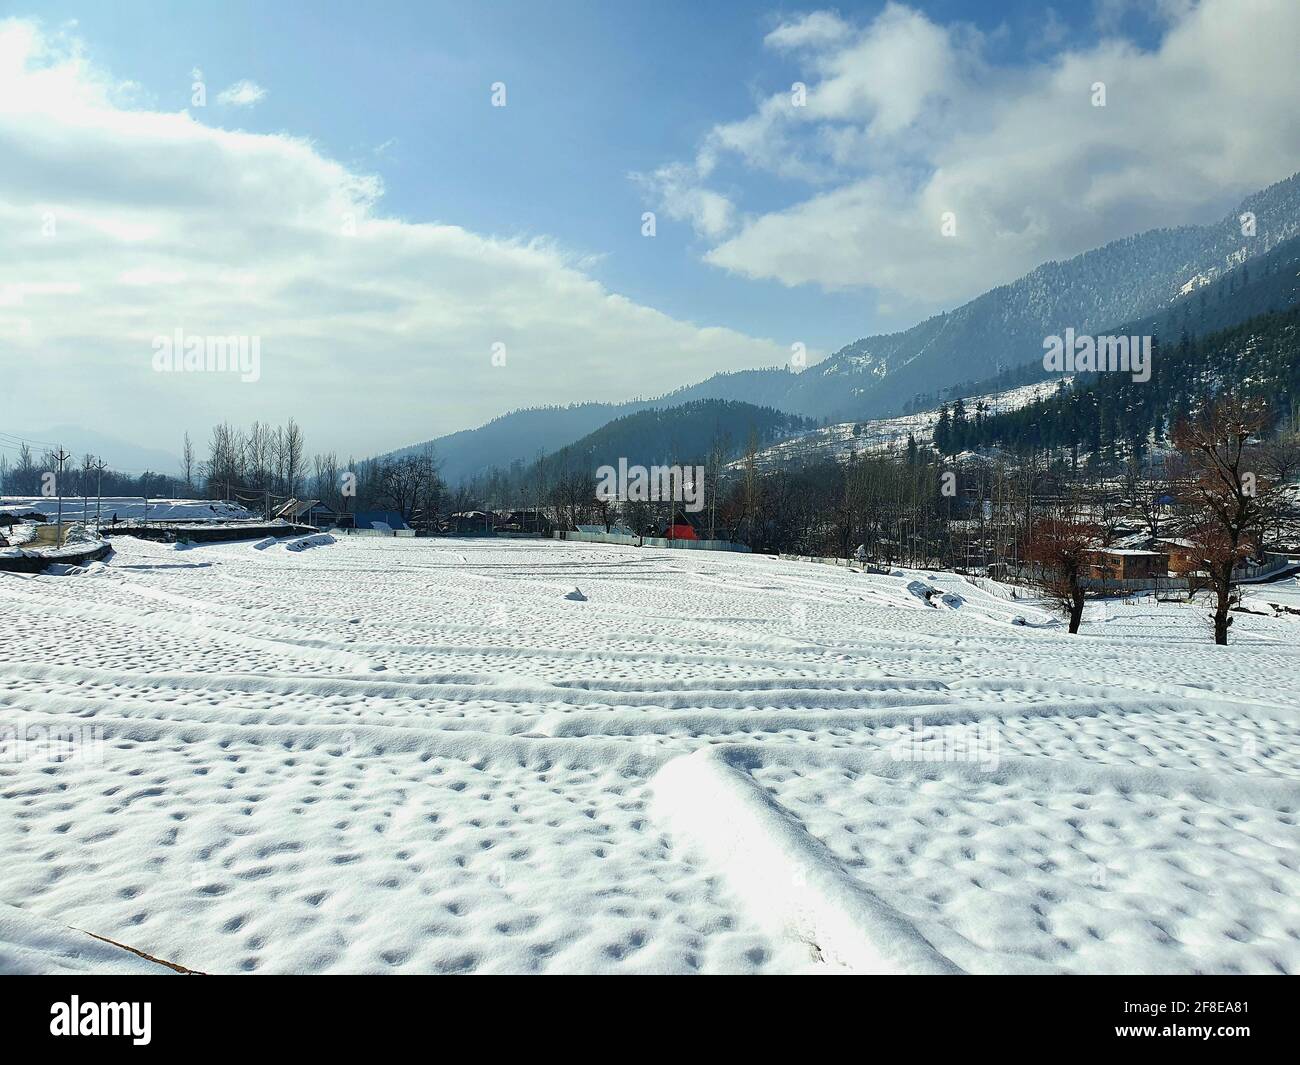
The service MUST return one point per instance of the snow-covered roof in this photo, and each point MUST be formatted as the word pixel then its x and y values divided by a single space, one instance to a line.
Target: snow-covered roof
pixel 1125 551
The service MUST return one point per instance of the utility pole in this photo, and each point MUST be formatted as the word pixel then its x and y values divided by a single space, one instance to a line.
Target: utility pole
pixel 99 467
pixel 61 457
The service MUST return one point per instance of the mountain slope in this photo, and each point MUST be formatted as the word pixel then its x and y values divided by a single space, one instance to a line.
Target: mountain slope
pixel 843 441
pixel 518 436
pixel 1260 297
pixel 682 434
pixel 1122 281
pixel 1108 416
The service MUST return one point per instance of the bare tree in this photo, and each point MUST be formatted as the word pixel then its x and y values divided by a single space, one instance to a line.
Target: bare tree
pixel 751 495
pixel 258 452
pixel 293 457
pixel 1227 488
pixel 327 485
pixel 225 463
pixel 410 484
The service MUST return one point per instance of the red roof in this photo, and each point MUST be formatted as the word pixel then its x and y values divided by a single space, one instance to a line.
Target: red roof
pixel 681 532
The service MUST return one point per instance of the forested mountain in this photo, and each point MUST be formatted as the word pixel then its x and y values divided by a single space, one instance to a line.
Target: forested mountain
pixel 984 344
pixel 1122 281
pixel 1263 286
pixel 1106 418
pixel 685 434
pixel 1268 283
pixel 520 436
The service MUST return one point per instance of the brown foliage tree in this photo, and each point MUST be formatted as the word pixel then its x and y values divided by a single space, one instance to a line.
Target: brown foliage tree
pixel 1058 545
pixel 1226 489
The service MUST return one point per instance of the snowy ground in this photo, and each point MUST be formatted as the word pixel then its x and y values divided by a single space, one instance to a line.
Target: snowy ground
pixel 383 755
pixel 75 508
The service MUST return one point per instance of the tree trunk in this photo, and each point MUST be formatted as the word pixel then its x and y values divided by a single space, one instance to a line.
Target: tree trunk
pixel 1223 590
pixel 1076 604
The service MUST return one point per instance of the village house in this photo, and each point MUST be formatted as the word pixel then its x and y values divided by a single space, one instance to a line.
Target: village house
pixel 470 523
pixel 321 515
pixel 1181 553
pixel 524 522
pixel 1126 564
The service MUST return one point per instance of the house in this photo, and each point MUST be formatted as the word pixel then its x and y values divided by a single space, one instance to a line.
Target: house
pixel 320 516
pixel 681 528
pixel 1181 553
pixel 1126 564
pixel 470 523
pixel 295 510
pixel 525 521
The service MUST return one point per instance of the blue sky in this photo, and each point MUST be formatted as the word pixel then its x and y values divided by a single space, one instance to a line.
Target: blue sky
pixel 596 91
pixel 774 226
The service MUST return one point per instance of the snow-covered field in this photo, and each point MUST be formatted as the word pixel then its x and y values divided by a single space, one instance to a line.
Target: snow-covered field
pixel 379 755
pixel 75 508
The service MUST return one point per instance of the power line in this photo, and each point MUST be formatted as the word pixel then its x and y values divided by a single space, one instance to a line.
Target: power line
pixel 23 440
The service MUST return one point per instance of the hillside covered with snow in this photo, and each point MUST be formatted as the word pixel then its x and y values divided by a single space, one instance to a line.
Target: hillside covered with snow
pixel 840 442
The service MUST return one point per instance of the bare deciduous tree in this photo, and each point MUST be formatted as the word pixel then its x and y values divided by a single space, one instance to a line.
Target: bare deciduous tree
pixel 1228 489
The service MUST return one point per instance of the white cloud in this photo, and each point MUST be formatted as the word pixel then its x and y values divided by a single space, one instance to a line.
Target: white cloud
pixel 682 196
pixel 814 28
pixel 887 74
pixel 243 93
pixel 866 88
pixel 118 225
pixel 906 120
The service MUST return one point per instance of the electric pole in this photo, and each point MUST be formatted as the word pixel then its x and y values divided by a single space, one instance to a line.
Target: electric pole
pixel 99 467
pixel 61 457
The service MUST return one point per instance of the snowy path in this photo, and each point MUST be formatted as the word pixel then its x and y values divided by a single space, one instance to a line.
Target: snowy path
pixel 411 755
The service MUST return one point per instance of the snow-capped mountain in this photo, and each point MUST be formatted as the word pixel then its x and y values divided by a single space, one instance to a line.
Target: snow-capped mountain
pixel 1004 328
